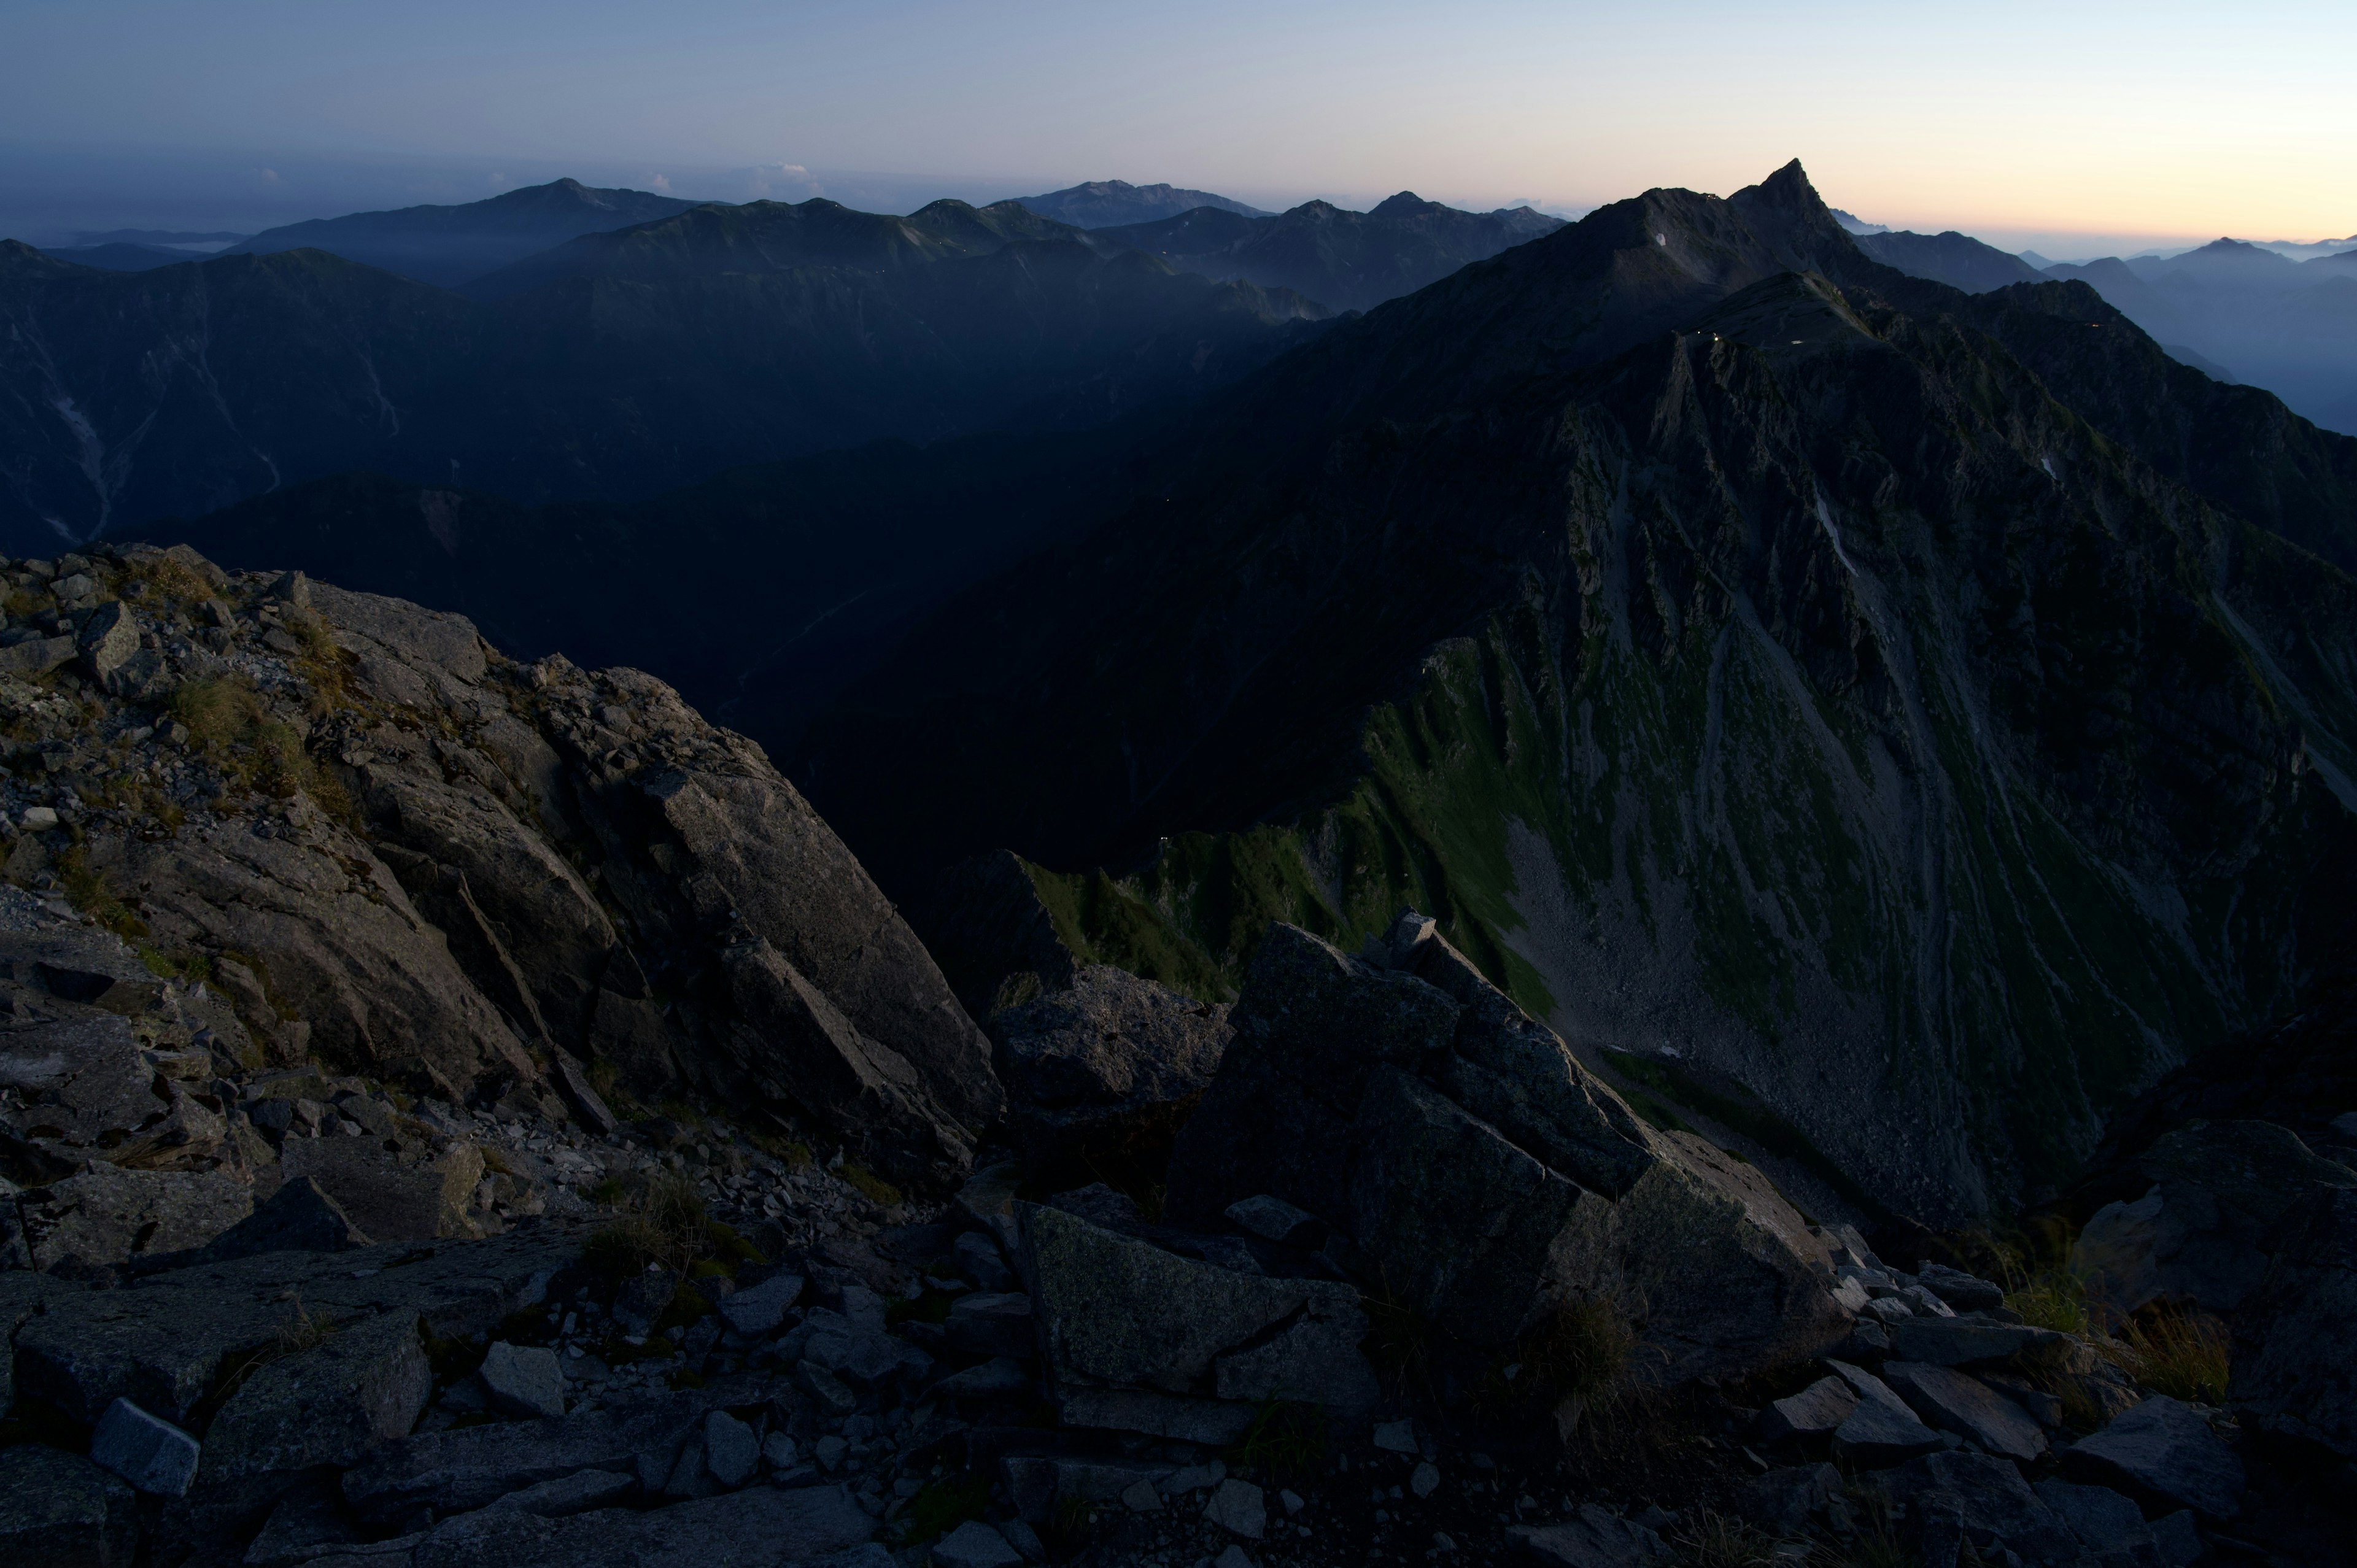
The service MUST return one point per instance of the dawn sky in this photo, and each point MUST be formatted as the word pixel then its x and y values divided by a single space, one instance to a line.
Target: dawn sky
pixel 2018 122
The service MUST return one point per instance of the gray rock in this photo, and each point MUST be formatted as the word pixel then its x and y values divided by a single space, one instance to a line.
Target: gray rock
pixel 1118 1312
pixel 298 1218
pixel 993 1326
pixel 1142 1497
pixel 1036 1484
pixel 2177 1541
pixel 104 1215
pixel 1985 1501
pixel 1424 1480
pixel 1232 1556
pixel 760 1526
pixel 576 1493
pixel 523 1379
pixel 1098 1071
pixel 1881 1431
pixel 825 1389
pixel 1785 1500
pixel 2198 1231
pixel 730 1450
pixel 307 1523
pixel 1274 1219
pixel 2295 1362
pixel 1480 1170
pixel 1594 1538
pixel 60 1511
pixel 416 1196
pixel 1965 1293
pixel 974 1544
pixel 1955 1401
pixel 777 1452
pixel 690 1475
pixel 1962 1341
pixel 1396 1437
pixel 1194 1477
pixel 1816 1411
pixel 2102 1519
pixel 2164 1454
pixel 580 1096
pixel 23 1294
pixel 154 1456
pixel 1240 1506
pixel 1025 1539
pixel 1101 1205
pixel 759 1309
pixel 978 1255
pixel 328 1405
pixel 1208 1422
pixel 992 1379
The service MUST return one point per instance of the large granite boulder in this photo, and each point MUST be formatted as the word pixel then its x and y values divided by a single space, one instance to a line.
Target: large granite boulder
pixel 1101 1076
pixel 1486 1178
pixel 60 1511
pixel 104 1215
pixel 2201 1231
pixel 2295 1366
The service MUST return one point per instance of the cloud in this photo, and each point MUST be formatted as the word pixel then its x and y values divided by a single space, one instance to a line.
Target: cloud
pixel 790 181
pixel 270 177
pixel 497 178
pixel 659 182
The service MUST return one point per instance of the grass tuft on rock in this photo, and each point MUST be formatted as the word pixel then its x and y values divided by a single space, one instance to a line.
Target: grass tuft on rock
pixel 2180 1352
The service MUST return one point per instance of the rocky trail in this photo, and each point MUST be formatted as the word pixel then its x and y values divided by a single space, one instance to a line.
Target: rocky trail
pixel 462 1113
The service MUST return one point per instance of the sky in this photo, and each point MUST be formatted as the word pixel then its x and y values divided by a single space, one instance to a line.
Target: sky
pixel 2072 128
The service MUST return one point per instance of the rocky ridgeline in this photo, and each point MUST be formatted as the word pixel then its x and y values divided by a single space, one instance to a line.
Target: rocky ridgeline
pixel 345 959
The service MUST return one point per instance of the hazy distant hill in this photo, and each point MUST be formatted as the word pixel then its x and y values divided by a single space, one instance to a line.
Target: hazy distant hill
pixel 448 245
pixel 119 256
pixel 1102 203
pixel 632 366
pixel 2290 327
pixel 1351 261
pixel 1957 260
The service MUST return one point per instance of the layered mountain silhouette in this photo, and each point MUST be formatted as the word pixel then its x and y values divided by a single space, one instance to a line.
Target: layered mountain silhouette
pixel 449 245
pixel 1903 723
pixel 640 363
pixel 1351 261
pixel 1957 260
pixel 1101 203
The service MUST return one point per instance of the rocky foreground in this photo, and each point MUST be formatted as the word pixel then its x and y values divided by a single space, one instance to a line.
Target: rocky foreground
pixel 459 1112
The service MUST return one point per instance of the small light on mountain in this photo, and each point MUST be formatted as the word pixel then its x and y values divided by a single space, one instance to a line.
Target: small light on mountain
pixel 1660 239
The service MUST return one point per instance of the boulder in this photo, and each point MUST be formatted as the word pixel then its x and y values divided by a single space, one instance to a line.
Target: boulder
pixel 415 1195
pixel 1592 1538
pixel 2164 1454
pixel 2102 1519
pixel 993 1325
pixel 1816 1411
pixel 1881 1430
pixel 326 1406
pixel 153 1455
pixel 90 1094
pixel 757 1310
pixel 1239 1506
pixel 1785 1500
pixel 1963 1340
pixel 60 1511
pixel 730 1450
pixel 298 1218
pixel 2201 1229
pixel 1120 1312
pixel 1209 1423
pixel 2295 1365
pixel 104 1215
pixel 523 1379
pixel 1965 1293
pixel 1103 1074
pixel 456 1471
pixel 1984 1500
pixel 974 1544
pixel 1958 1402
pixel 760 1526
pixel 1480 1172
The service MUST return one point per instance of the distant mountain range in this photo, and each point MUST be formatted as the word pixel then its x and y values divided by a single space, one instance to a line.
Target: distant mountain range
pixel 449 245
pixel 1352 261
pixel 1102 203
pixel 628 358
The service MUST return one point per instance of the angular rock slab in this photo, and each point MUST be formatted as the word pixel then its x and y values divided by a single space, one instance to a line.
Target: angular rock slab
pixel 457 1471
pixel 326 1406
pixel 1595 1538
pixel 154 1456
pixel 974 1544
pixel 523 1379
pixel 104 1215
pixel 1881 1430
pixel 1117 1312
pixel 2164 1454
pixel 60 1511
pixel 1816 1411
pixel 760 1526
pixel 1985 1500
pixel 1958 1402
pixel 2295 1359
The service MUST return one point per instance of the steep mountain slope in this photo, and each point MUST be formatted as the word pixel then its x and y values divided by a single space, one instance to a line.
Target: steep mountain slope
pixel 757 593
pixel 1957 260
pixel 1351 261
pixel 1759 665
pixel 127 397
pixel 1101 203
pixel 448 245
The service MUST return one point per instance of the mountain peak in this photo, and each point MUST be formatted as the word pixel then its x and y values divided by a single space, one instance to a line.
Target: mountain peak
pixel 1406 204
